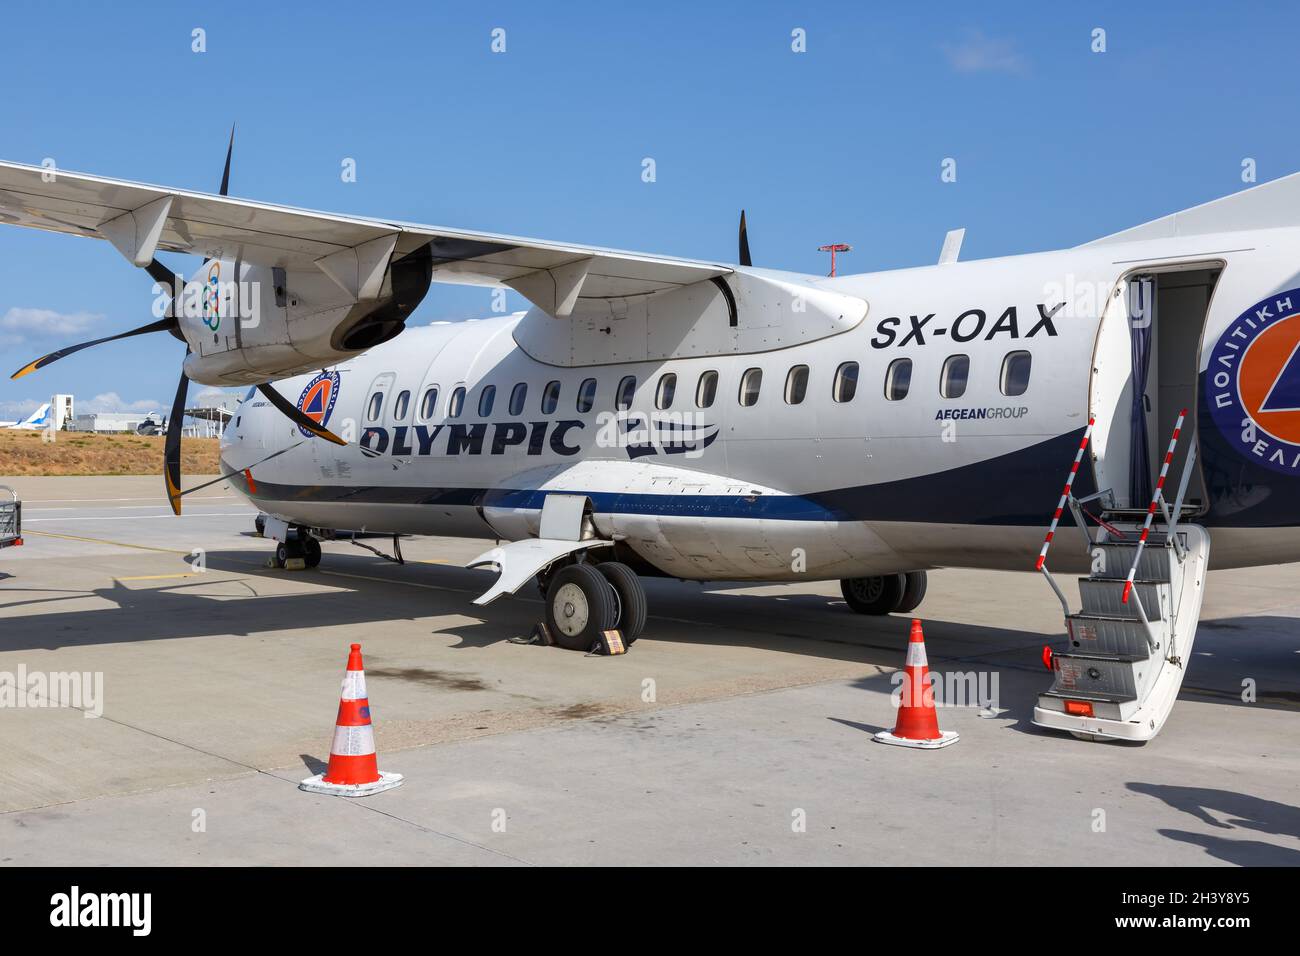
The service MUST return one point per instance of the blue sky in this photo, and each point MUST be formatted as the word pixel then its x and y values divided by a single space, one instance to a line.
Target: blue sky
pixel 1054 144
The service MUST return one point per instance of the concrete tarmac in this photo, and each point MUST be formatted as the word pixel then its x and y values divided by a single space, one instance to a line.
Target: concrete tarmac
pixel 736 731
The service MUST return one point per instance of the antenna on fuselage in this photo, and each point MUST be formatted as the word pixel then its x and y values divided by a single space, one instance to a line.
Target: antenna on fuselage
pixel 834 248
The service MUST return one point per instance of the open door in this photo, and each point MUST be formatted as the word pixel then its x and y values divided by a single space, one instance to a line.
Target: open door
pixel 1144 373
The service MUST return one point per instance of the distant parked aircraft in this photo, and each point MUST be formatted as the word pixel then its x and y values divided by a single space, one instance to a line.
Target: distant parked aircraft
pixel 38 419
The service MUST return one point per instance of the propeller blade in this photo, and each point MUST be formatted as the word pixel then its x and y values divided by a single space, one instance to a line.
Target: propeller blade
pixel 297 417
pixel 168 324
pixel 174 283
pixel 225 176
pixel 162 275
pixel 172 448
pixel 744 242
pixel 227 477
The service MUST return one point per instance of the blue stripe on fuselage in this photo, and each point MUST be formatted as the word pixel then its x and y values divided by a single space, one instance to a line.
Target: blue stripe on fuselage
pixel 1019 488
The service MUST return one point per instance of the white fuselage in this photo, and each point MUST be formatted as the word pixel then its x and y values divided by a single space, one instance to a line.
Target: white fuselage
pixel 778 489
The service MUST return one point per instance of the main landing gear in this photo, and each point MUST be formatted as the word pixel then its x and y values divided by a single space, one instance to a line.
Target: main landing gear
pixel 885 593
pixel 582 600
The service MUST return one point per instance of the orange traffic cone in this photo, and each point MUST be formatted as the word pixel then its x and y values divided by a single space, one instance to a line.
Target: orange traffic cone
pixel 918 722
pixel 353 770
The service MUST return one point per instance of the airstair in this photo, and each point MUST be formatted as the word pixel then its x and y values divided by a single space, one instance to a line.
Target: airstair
pixel 1129 644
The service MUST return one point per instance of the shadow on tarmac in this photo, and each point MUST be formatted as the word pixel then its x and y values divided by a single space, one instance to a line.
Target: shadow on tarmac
pixel 1242 812
pixel 361 590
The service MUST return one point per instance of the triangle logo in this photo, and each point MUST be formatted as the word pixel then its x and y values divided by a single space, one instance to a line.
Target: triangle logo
pixel 1284 395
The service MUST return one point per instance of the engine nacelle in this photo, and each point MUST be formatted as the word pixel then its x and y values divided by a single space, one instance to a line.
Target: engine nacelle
pixel 246 324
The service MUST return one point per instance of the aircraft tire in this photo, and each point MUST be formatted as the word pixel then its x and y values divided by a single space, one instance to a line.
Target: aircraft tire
pixel 631 598
pixel 913 592
pixel 311 553
pixel 579 605
pixel 282 554
pixel 873 595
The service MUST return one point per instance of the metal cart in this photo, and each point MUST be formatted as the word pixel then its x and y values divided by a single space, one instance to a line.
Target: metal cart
pixel 11 518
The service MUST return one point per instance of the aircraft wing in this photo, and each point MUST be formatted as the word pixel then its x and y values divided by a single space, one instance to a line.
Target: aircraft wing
pixel 140 219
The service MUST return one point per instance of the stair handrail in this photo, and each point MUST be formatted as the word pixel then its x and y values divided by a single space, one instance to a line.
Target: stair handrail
pixel 1188 465
pixel 1066 496
pixel 1179 550
pixel 1157 497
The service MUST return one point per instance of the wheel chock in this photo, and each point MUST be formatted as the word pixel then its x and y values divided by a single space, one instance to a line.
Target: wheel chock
pixel 539 635
pixel 611 643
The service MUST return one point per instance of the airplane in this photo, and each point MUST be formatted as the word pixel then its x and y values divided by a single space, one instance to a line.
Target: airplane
pixel 38 420
pixel 700 420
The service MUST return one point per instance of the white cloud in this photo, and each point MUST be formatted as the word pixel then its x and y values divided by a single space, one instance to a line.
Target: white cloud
pixel 26 325
pixel 978 53
pixel 113 402
pixel 15 411
pixel 211 397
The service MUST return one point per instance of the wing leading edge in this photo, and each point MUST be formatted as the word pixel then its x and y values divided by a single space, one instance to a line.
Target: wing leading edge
pixel 140 219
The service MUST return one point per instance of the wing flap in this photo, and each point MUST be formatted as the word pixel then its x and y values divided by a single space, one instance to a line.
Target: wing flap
pixel 520 561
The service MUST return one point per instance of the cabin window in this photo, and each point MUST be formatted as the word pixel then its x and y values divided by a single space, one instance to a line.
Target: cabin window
pixel 750 383
pixel 666 390
pixel 1015 373
pixel 403 403
pixel 586 394
pixel 518 395
pixel 550 398
pixel 796 385
pixel 707 389
pixel 626 389
pixel 952 381
pixel 429 404
pixel 457 402
pixel 375 407
pixel 485 400
pixel 898 378
pixel 846 382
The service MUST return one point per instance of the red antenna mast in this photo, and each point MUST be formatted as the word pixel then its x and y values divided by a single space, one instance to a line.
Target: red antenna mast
pixel 834 248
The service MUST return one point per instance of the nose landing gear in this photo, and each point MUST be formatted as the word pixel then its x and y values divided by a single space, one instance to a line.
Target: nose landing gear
pixel 306 549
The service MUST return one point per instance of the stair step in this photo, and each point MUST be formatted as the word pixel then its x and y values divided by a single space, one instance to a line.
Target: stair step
pixel 1106 597
pixel 1114 679
pixel 1152 566
pixel 1087 695
pixel 1097 634
pixel 1158 538
pixel 1122 658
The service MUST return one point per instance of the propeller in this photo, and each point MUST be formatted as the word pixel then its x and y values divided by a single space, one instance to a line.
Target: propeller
pixel 226 477
pixel 172 447
pixel 295 414
pixel 225 173
pixel 744 242
pixel 168 324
